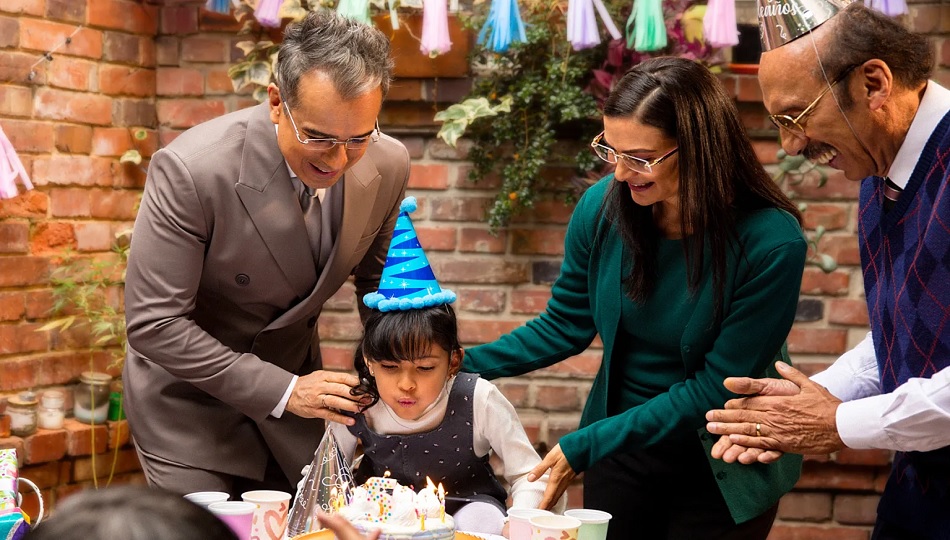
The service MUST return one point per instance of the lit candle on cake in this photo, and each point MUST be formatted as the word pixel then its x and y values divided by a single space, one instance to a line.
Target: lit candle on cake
pixel 442 501
pixel 334 500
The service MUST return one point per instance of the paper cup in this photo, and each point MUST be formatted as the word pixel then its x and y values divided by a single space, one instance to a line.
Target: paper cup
pixel 518 526
pixel 204 498
pixel 593 523
pixel 270 518
pixel 237 515
pixel 554 527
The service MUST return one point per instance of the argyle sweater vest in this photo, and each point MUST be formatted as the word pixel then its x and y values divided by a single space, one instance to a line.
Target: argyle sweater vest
pixel 905 257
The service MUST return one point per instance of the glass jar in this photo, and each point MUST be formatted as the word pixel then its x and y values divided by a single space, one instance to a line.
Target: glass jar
pixel 52 413
pixel 91 397
pixel 22 412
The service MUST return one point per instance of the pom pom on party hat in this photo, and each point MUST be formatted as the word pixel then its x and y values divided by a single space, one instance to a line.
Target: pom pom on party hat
pixel 407 281
pixel 783 21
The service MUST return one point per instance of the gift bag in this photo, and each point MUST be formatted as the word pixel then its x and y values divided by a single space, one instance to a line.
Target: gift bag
pixel 14 523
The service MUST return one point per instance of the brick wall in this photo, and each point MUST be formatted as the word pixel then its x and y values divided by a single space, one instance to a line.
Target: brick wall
pixel 162 65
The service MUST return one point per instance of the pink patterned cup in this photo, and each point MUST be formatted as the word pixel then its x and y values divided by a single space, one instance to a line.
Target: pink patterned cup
pixel 270 517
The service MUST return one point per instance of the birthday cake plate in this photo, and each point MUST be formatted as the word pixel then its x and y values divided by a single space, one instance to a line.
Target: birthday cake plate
pixel 326 534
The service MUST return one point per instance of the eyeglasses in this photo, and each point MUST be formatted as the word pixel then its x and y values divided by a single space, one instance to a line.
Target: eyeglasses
pixel 636 164
pixel 353 144
pixel 784 121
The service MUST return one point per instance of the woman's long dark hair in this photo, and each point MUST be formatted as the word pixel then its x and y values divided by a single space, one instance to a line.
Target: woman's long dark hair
pixel 402 336
pixel 720 176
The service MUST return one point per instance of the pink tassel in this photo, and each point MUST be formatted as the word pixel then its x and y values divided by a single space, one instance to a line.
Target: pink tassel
pixel 719 24
pixel 435 28
pixel 268 13
pixel 10 168
pixel 891 8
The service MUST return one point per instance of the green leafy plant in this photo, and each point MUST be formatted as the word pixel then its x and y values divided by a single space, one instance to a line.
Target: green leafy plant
pixel 792 171
pixel 133 155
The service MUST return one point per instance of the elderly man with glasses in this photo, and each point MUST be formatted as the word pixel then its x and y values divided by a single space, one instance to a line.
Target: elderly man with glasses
pixel 887 125
pixel 248 224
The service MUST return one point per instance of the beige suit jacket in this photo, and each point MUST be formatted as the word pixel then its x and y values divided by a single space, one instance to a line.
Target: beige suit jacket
pixel 222 296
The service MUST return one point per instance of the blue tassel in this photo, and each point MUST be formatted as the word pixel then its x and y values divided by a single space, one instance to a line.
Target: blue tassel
pixel 218 6
pixel 505 26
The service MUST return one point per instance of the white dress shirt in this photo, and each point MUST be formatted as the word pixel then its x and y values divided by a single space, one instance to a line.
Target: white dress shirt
pixel 916 415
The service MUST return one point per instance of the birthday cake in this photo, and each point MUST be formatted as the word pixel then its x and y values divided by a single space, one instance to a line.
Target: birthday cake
pixel 399 512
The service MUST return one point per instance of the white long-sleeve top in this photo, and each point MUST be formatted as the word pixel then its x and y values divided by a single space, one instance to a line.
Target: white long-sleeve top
pixel 916 415
pixel 496 428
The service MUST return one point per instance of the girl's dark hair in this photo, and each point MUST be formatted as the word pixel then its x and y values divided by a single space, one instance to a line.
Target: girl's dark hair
pixel 402 336
pixel 720 176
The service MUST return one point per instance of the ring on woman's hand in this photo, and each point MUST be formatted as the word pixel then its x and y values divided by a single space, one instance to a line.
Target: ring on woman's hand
pixel 758 430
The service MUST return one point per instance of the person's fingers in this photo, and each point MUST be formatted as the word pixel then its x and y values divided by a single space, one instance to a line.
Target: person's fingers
pixel 754 442
pixel 792 374
pixel 541 468
pixel 720 447
pixel 744 385
pixel 769 456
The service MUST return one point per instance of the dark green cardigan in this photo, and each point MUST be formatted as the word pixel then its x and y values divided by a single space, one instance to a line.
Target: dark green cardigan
pixel 761 295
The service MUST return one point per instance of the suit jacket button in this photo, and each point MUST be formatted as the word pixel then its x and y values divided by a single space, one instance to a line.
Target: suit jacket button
pixel 242 279
pixel 686 348
pixel 311 322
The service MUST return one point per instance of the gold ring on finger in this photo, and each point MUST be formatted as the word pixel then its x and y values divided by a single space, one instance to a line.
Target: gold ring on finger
pixel 758 430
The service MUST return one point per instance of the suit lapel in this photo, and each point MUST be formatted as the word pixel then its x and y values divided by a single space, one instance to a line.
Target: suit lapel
pixel 268 195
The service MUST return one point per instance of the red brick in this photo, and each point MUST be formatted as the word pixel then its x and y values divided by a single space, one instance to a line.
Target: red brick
pixel 80 438
pixel 481 300
pixel 791 532
pixel 817 340
pixel 405 90
pixel 837 187
pixel 748 89
pixel 529 301
pixel 463 179
pixel 12 306
pixel 829 476
pixel 15 67
pixel 337 358
pixel 38 304
pixel 844 248
pixel 26 7
pixel 119 434
pixel 71 73
pixel 22 338
pixel 218 82
pixel 212 21
pixel 847 311
pixel 856 509
pixel 50 236
pixel 167 51
pixel 44 35
pixel 482 241
pixel 73 107
pixel 100 465
pixel 583 365
pixel 205 49
pixel 179 82
pixel 93 236
pixel 110 141
pixel 766 150
pixel 545 211
pixel 472 270
pixel 28 204
pixel 434 176
pixel 17 444
pixel 72 170
pixel 179 20
pixel 344 299
pixel 437 238
pixel 339 327
pixel 115 204
pixel 45 445
pixel 134 17
pixel 45 475
pixel 123 48
pixel 816 281
pixel 557 398
pixel 126 81
pixel 476 331
pixel 29 136
pixel 516 393
pixel 135 113
pixel 185 113
pixel 537 241
pixel 849 456
pixel 14 237
pixel 830 216
pixel 15 101
pixel 23 271
pixel 66 10
pixel 9 32
pixel 73 139
pixel 70 202
pixel 439 150
pixel 459 208
pixel 805 506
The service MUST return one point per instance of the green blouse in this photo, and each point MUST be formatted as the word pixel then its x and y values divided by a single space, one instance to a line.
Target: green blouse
pixel 760 299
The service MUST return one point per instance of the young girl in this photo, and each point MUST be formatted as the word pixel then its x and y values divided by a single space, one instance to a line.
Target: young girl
pixel 427 419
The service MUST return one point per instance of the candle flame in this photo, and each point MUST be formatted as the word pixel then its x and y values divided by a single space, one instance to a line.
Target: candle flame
pixel 441 492
pixel 429 484
pixel 386 474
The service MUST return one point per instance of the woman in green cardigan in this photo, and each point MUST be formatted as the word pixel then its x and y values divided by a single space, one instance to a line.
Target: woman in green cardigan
pixel 687 261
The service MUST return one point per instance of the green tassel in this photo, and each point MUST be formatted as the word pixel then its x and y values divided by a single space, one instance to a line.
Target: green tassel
pixel 357 10
pixel 646 29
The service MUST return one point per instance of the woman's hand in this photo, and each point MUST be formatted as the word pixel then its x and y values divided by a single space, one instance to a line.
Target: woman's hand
pixel 343 529
pixel 561 476
pixel 323 394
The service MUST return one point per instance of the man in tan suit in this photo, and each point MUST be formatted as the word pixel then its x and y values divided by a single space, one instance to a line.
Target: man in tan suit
pixel 248 224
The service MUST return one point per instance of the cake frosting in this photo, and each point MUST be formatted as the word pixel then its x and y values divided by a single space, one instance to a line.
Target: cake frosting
pixel 398 512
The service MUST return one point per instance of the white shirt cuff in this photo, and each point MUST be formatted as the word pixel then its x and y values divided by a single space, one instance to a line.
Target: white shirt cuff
pixel 282 404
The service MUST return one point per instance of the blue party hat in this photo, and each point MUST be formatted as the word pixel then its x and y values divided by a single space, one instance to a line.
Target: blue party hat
pixel 408 281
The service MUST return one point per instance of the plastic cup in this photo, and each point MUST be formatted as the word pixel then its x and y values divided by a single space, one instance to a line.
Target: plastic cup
pixel 556 527
pixel 237 515
pixel 204 498
pixel 518 526
pixel 593 523
pixel 270 517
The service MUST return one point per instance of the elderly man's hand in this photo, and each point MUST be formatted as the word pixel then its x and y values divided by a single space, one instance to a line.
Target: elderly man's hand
pixel 799 420
pixel 323 394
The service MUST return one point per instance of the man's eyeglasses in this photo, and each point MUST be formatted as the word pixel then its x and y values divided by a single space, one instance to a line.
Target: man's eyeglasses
pixel 636 164
pixel 353 144
pixel 784 121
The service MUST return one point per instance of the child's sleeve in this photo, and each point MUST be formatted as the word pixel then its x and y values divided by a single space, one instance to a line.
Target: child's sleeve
pixel 498 429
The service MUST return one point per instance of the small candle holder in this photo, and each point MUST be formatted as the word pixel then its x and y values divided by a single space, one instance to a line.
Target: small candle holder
pixel 52 412
pixel 92 397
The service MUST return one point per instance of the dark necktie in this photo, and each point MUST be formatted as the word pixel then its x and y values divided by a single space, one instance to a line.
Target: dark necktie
pixel 891 193
pixel 312 218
